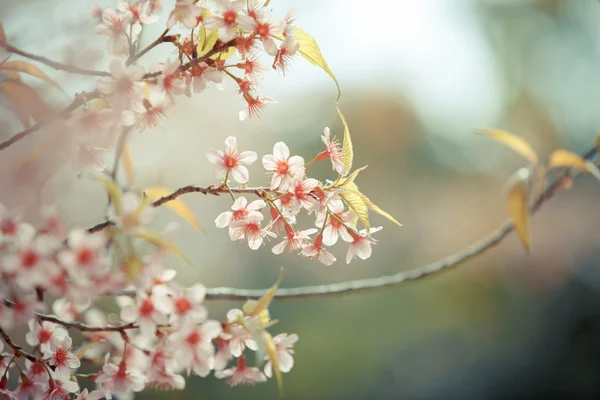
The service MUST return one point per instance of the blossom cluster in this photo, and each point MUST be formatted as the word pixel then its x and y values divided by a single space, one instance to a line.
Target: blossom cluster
pixel 161 334
pixel 290 192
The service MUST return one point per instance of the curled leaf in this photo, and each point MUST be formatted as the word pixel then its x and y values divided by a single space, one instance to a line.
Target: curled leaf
pixel 156 192
pixel 514 142
pixel 564 158
pixel 311 51
pixel 27 68
pixel 347 151
pixel 114 191
pixel 349 179
pixel 517 201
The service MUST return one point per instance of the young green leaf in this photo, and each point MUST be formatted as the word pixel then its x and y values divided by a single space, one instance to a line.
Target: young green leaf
pixel 156 192
pixel 311 51
pixel 345 181
pixel 347 151
pixel 354 200
pixel 514 142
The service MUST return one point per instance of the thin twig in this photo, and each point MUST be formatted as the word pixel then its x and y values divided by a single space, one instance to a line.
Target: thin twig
pixel 213 190
pixel 158 41
pixel 428 270
pixel 121 142
pixel 54 64
pixel 17 350
pixel 83 327
pixel 78 102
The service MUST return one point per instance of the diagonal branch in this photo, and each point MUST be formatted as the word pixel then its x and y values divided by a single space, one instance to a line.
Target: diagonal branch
pixel 78 102
pixel 428 270
pixel 53 64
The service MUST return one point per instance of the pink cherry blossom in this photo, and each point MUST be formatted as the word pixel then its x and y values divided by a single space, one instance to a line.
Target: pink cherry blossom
pixel 236 334
pixel 59 390
pixel 333 152
pixel 93 395
pixel 187 304
pixel 29 389
pixel 241 374
pixel 333 227
pixel 283 343
pixel 286 170
pixel 200 75
pixel 316 251
pixel 61 357
pixel 194 348
pixel 119 380
pixel 361 244
pixel 262 27
pixel 231 161
pixel 284 54
pixel 41 334
pixel 240 210
pixel 294 240
pixel 255 105
pixel 185 12
pixel 116 25
pixel 250 229
pixel 170 80
pixel 162 365
pixel 227 20
pixel 132 214
pixel 149 311
pixel 302 193
pixel 123 87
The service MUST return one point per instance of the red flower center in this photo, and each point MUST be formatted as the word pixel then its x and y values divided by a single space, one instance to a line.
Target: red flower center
pixel 230 162
pixel 29 258
pixel 229 17
pixel 61 356
pixel 282 167
pixel 146 308
pixel 44 335
pixel 194 338
pixel 85 256
pixel 182 305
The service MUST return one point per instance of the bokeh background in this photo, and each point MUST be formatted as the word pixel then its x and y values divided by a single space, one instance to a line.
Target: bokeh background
pixel 417 78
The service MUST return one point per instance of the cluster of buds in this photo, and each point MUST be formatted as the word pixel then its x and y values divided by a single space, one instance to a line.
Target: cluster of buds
pixel 290 192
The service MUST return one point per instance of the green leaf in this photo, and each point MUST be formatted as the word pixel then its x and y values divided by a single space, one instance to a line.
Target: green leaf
pixel 349 179
pixel 114 191
pixel 347 151
pixel 311 51
pixel 378 210
pixel 27 68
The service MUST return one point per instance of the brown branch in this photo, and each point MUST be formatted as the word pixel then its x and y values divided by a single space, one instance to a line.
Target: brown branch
pixel 53 64
pixel 17 350
pixel 83 327
pixel 196 60
pixel 140 54
pixel 78 102
pixel 428 270
pixel 213 190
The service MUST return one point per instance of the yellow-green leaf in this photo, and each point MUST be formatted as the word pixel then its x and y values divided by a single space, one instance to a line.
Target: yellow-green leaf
pixel 26 98
pixel 517 201
pixel 347 151
pixel 355 202
pixel 514 142
pixel 264 302
pixel 373 207
pixel 564 158
pixel 128 163
pixel 114 191
pixel 311 51
pixel 349 179
pixel 156 192
pixel 271 350
pixel 206 40
pixel 27 68
pixel 162 243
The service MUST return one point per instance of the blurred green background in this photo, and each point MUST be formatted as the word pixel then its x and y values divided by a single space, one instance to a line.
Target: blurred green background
pixel 417 78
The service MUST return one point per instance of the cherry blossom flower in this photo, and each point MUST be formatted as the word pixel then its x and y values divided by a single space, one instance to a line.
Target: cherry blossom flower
pixel 61 357
pixel 231 161
pixel 284 54
pixel 361 244
pixel 115 25
pixel 29 389
pixel 171 81
pixel 241 374
pixel 294 240
pixel 143 11
pixel 186 13
pixel 302 193
pixel 227 20
pixel 41 334
pixel 187 304
pixel 93 395
pixel 24 308
pixel 84 251
pixel 59 390
pixel 149 114
pixel 200 75
pixel 252 67
pixel 149 311
pixel 286 170
pixel 238 337
pixel 332 151
pixel 333 227
pixel 240 210
pixel 283 343
pixel 316 251
pixel 132 214
pixel 194 348
pixel 262 27
pixel 119 380
pixel 123 87
pixel 254 106
pixel 250 229
pixel 161 375
pixel 223 354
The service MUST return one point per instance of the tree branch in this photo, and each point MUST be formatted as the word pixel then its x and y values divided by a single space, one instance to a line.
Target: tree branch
pixel 17 350
pixel 428 270
pixel 140 54
pixel 53 64
pixel 83 327
pixel 78 102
